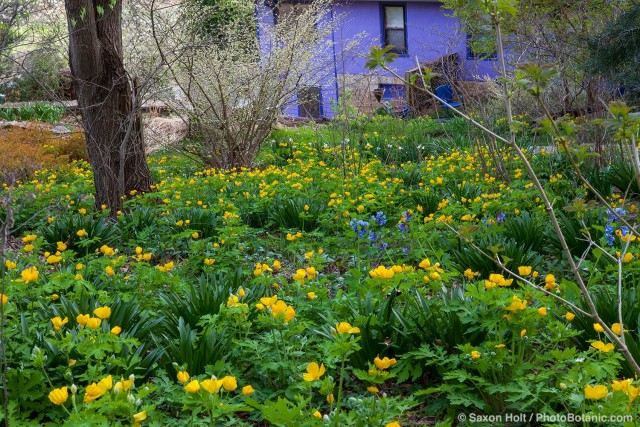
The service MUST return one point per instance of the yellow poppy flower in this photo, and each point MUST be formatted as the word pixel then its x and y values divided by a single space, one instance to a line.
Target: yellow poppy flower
pixel 102 312
pixel 58 396
pixel 596 392
pixel 314 372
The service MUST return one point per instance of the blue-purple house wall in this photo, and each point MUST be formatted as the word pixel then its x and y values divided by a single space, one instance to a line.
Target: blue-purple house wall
pixel 431 32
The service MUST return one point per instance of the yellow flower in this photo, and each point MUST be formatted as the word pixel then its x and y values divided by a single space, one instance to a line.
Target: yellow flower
pixel 140 416
pixel 29 275
pixel 93 392
pixel 517 305
pixel 269 301
pixel 569 316
pixel 598 328
pixel 475 354
pixel 4 298
pixel 107 250
pixel 183 377
pixel 166 267
pixel 299 275
pixel 29 238
pixel 549 282
pixel 58 396
pixel 393 424
pixel 109 270
pixel 116 330
pixel 384 363
pixel 372 389
pixel 93 323
pixel 317 414
pixel 83 319
pixel 524 270
pixel 542 311
pixel 242 293
pixel 81 233
pixel 82 211
pixel 195 235
pixel 52 259
pixel 192 387
pixel 314 372
pixel 346 328
pixel 500 346
pixel 55 297
pixel 330 398
pixel 596 392
pixel 28 248
pixel 470 274
pixel 106 383
pixel 277 265
pixel 621 385
pixel 10 264
pixel 523 333
pixel 599 345
pixel 247 390
pixel 616 329
pixel 125 385
pixel 627 257
pixel 311 295
pixel 61 246
pixel 211 386
pixel 229 383
pixel 58 322
pixel 102 312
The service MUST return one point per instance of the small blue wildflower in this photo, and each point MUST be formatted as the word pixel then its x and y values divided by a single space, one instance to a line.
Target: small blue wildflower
pixel 500 217
pixel 380 218
pixel 406 216
pixel 612 218
pixel 406 251
pixel 383 245
pixel 359 227
pixel 372 236
pixel 403 227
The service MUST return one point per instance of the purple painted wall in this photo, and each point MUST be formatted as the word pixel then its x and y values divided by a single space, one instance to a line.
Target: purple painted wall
pixel 431 32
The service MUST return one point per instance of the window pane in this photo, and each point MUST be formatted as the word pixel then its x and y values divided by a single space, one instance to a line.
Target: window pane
pixel 396 38
pixel 394 16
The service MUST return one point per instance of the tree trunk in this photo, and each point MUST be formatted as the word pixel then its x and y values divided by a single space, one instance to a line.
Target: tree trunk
pixel 108 101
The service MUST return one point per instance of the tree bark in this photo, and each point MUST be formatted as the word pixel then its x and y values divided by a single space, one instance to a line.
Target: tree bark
pixel 107 100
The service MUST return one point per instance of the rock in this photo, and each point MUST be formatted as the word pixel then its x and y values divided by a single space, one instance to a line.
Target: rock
pixel 60 130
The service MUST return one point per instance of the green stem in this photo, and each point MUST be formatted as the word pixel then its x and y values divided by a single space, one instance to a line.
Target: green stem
pixel 336 415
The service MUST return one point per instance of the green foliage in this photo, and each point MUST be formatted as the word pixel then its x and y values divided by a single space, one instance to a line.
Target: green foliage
pixel 39 112
pixel 300 213
pixel 99 231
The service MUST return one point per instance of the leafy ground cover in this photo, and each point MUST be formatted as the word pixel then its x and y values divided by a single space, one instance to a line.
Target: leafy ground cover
pixel 341 282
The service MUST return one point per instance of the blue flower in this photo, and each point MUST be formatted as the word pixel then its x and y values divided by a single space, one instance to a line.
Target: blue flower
pixel 372 236
pixel 500 217
pixel 611 217
pixel 406 250
pixel 380 218
pixel 403 227
pixel 406 216
pixel 359 227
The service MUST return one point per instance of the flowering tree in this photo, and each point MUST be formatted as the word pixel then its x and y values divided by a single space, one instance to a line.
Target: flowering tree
pixel 231 93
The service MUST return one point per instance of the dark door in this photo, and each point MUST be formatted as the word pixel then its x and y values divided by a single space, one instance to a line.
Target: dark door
pixel 309 102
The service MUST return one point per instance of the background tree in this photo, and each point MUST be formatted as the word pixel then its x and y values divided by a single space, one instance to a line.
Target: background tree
pixel 108 101
pixel 614 51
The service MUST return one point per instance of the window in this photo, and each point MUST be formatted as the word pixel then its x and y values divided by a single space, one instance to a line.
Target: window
pixel 392 91
pixel 481 43
pixel 395 28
